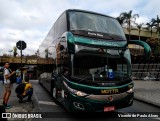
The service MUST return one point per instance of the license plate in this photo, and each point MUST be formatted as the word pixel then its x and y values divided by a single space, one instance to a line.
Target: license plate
pixel 110 108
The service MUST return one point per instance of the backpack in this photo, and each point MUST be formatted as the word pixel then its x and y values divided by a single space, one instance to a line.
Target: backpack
pixel 2 74
pixel 20 88
pixel 12 79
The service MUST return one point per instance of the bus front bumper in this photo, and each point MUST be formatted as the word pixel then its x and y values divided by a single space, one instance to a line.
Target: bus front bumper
pixel 98 103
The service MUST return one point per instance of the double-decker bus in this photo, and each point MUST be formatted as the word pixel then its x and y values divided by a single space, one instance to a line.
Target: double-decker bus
pixel 91 68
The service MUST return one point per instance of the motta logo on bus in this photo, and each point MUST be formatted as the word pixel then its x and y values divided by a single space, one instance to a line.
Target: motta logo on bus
pixel 95 34
pixel 109 91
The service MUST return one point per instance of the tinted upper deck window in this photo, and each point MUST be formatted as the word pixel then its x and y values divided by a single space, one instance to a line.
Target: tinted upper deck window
pixel 94 22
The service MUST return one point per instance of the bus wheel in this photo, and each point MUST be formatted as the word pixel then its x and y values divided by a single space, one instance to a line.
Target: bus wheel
pixel 54 93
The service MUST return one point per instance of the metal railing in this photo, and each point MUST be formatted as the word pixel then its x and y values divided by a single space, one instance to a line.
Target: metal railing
pixel 146 72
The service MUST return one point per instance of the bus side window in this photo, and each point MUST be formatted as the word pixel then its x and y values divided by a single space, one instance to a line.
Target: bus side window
pixel 64 63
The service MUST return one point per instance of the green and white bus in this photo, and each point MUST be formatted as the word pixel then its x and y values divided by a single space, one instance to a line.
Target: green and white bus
pixel 91 68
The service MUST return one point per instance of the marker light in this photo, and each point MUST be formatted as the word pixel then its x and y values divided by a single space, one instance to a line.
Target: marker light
pixel 130 90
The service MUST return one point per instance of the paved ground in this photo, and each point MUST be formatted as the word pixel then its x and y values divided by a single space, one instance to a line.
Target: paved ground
pixel 46 104
pixel 42 102
pixel 16 106
pixel 148 91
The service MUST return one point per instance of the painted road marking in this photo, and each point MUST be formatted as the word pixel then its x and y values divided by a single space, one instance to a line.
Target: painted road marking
pixel 36 100
pixel 46 103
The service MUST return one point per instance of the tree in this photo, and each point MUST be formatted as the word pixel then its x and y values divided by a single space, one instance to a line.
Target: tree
pixel 10 51
pixel 129 18
pixel 14 51
pixel 46 53
pixel 156 24
pixel 150 27
pixel 120 19
pixel 37 53
pixel 139 27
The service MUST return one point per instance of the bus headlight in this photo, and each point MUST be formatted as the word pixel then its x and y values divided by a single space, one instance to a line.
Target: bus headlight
pixel 75 92
pixel 130 90
pixel 81 94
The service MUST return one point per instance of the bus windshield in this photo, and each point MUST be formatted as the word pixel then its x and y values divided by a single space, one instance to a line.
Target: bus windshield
pixel 81 21
pixel 102 64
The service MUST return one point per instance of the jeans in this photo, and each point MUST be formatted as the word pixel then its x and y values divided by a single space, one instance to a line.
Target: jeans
pixel 29 93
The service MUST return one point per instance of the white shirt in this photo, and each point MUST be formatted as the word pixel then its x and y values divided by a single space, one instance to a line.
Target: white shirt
pixel 6 72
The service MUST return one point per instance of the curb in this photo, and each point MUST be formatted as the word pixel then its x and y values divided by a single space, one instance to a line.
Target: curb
pixel 147 102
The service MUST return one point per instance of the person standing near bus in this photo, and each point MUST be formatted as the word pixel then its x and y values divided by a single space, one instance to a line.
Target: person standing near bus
pixel 7 73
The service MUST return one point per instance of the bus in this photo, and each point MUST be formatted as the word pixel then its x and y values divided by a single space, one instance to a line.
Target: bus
pixel 91 70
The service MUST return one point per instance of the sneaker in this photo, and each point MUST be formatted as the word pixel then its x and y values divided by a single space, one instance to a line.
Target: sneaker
pixel 8 107
pixel 20 101
pixel 28 101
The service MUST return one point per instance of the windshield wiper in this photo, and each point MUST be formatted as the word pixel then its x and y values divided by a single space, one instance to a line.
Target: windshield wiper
pixel 84 81
pixel 109 36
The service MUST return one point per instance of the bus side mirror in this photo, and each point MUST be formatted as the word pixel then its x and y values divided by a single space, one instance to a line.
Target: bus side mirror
pixel 147 49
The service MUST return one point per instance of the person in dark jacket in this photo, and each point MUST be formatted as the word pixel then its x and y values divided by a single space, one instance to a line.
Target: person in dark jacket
pixel 28 91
